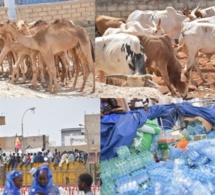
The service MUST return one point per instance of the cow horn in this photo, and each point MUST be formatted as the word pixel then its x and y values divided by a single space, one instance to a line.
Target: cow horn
pixel 154 24
pixel 159 24
pixel 196 9
pixel 187 10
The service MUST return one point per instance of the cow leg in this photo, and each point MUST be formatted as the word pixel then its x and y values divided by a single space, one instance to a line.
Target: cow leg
pixel 188 65
pixel 102 78
pixel 164 73
pixel 196 63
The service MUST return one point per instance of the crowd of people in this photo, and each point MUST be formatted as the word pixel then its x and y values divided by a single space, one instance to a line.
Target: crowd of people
pixel 11 161
pixel 42 183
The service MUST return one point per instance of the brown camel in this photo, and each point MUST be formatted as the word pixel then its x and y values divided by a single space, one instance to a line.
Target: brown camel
pixel 54 39
pixel 10 57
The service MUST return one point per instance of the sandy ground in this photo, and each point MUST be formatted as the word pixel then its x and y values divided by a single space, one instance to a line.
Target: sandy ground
pixel 204 90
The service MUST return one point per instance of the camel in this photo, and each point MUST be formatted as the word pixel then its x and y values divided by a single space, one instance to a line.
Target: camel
pixel 47 41
pixel 10 57
pixel 20 52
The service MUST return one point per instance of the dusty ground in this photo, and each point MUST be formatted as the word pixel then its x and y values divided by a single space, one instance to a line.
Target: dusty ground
pixel 205 90
pixel 20 90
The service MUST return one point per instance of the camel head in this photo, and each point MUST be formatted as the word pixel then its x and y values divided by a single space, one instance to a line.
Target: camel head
pixel 4 26
pixel 21 25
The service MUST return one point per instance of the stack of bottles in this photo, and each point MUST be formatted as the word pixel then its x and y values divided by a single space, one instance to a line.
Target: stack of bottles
pixel 125 174
pixel 187 172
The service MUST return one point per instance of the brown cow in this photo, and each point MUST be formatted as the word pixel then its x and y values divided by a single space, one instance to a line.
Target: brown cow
pixel 159 50
pixel 105 22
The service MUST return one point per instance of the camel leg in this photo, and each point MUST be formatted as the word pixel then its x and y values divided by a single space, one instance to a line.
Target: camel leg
pixel 49 59
pixel 86 73
pixel 10 61
pixel 65 65
pixel 34 69
pixel 2 69
pixel 94 80
pixel 42 69
pixel 56 59
pixel 76 65
pixel 16 68
pixel 22 66
pixel 3 53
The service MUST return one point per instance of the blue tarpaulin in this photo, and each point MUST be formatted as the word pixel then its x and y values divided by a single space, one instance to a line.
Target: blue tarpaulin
pixel 120 129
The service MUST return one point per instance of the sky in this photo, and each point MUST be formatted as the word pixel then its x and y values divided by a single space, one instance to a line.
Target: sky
pixel 51 115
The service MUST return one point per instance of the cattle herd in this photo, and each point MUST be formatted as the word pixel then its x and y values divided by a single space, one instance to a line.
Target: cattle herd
pixel 135 49
pixel 148 42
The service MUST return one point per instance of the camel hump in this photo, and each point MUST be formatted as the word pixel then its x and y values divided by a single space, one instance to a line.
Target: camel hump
pixel 37 23
pixel 63 23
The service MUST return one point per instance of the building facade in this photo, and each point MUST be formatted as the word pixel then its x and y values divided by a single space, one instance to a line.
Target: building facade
pixel 8 143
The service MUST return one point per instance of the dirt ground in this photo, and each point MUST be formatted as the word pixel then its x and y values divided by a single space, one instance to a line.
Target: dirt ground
pixel 24 90
pixel 204 90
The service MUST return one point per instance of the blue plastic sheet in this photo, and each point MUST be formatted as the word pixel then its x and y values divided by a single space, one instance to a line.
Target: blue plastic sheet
pixel 120 129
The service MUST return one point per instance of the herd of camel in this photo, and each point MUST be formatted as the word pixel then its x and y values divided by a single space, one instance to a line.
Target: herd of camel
pixel 40 48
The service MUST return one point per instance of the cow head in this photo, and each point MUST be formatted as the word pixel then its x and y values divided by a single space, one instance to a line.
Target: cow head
pixel 157 28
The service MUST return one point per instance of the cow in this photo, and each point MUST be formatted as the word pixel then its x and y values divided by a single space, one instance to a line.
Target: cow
pixel 105 22
pixel 159 49
pixel 203 13
pixel 135 26
pixel 119 54
pixel 171 20
pixel 197 37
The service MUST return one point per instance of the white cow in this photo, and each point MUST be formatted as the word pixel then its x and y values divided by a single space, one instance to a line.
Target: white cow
pixel 119 54
pixel 135 26
pixel 202 13
pixel 197 37
pixel 171 20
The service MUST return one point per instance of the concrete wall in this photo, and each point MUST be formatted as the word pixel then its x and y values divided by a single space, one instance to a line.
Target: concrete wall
pixel 122 8
pixel 92 122
pixel 82 12
pixel 3 14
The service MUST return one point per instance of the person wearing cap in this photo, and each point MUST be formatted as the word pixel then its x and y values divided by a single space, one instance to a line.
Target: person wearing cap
pixel 13 184
pixel 43 182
